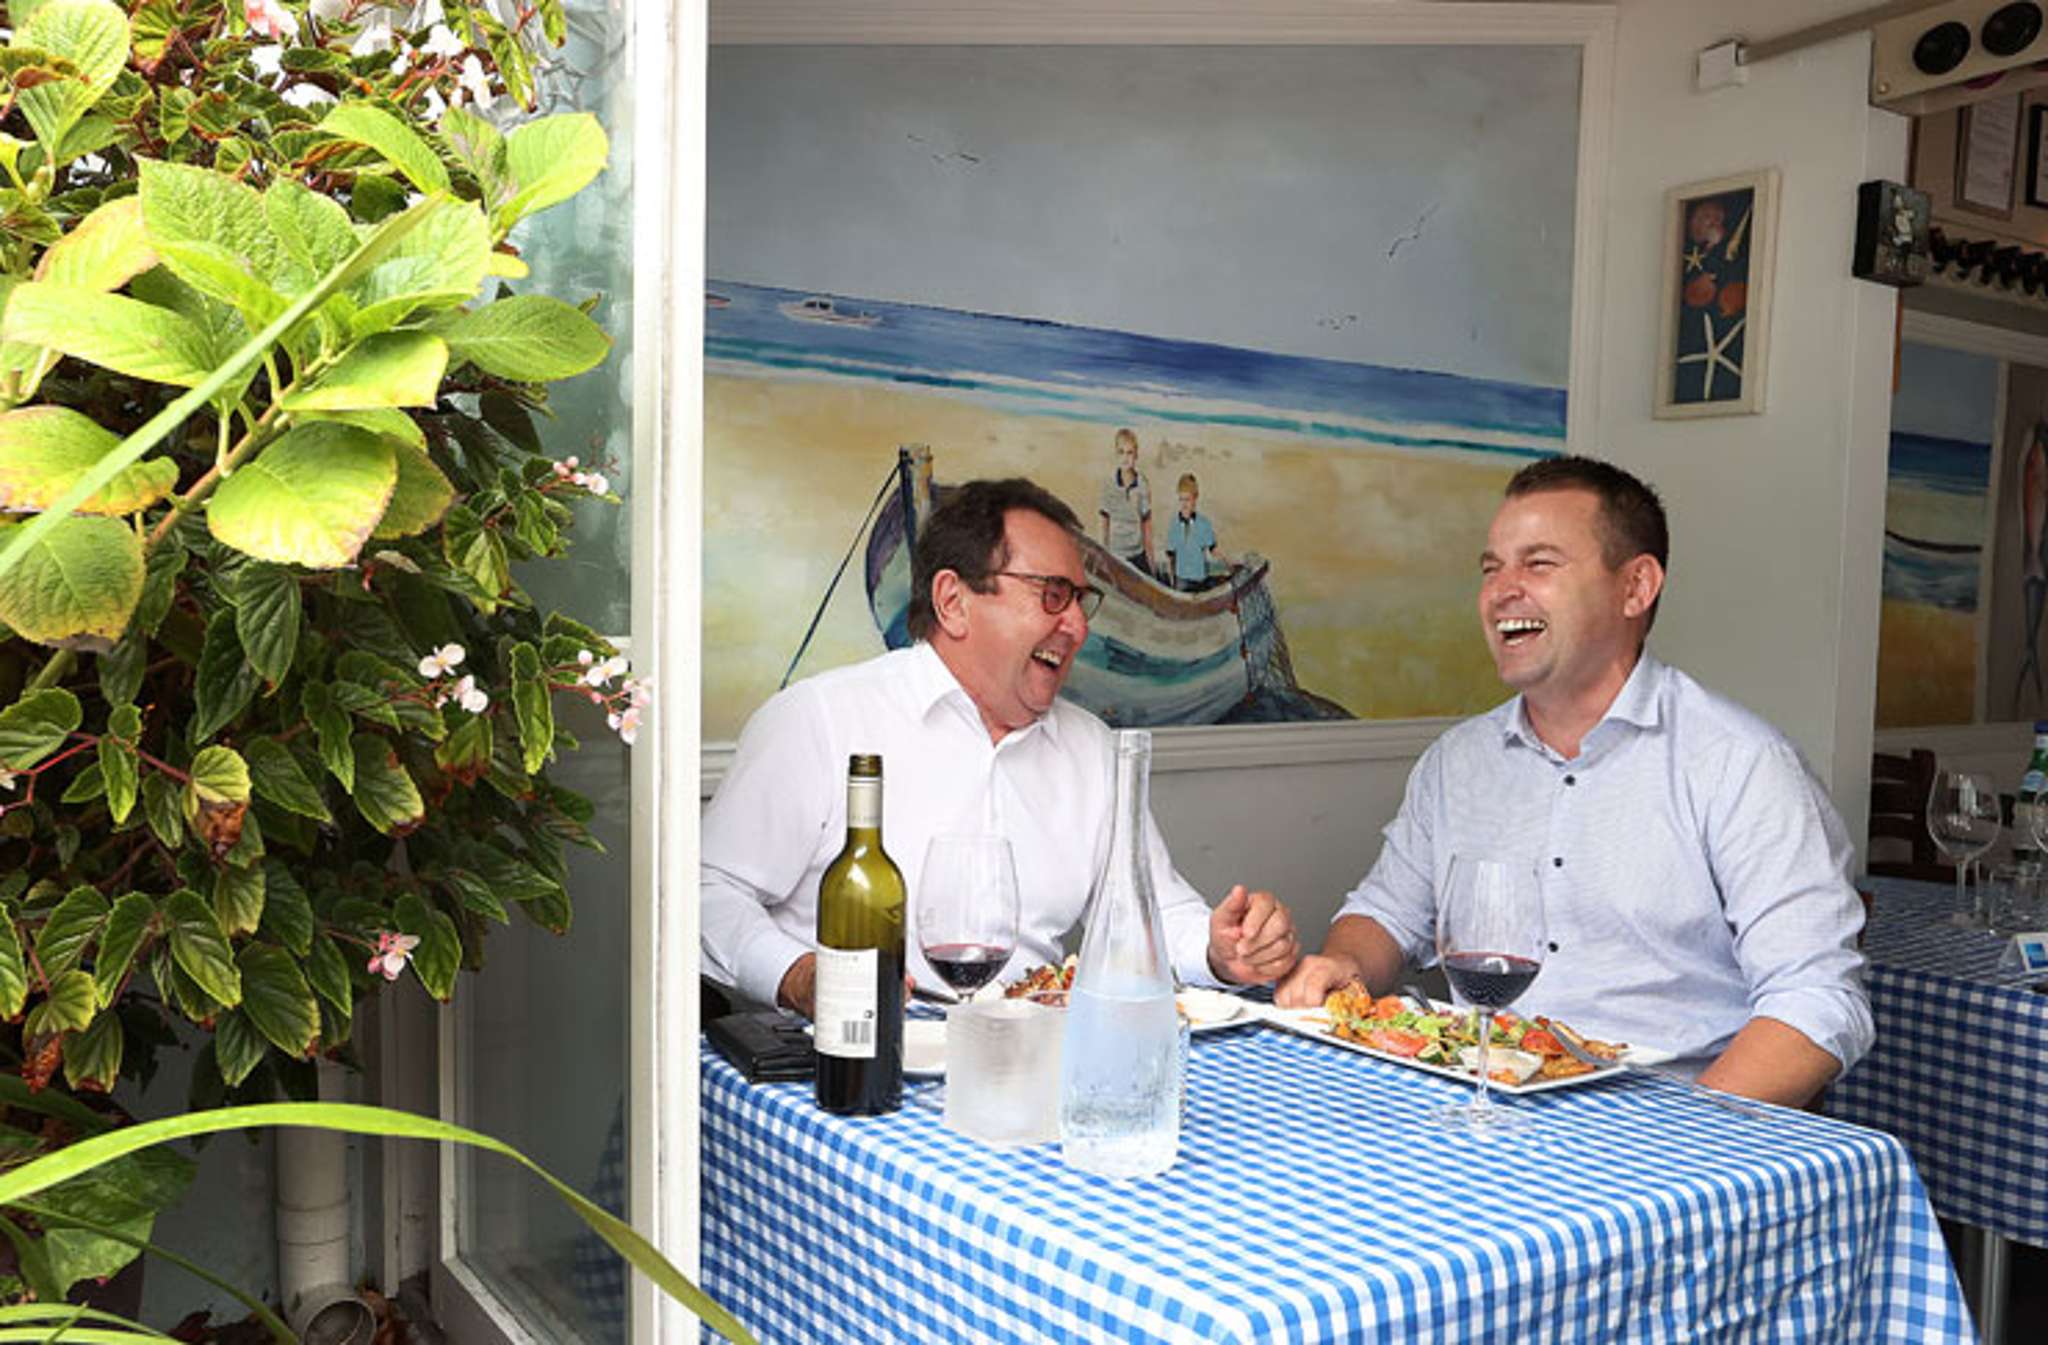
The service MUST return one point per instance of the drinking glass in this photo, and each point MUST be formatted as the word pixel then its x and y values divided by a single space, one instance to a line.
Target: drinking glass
pixel 1489 936
pixel 966 915
pixel 1962 817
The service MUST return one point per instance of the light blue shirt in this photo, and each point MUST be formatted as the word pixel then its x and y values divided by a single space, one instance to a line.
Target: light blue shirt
pixel 1694 873
pixel 1189 539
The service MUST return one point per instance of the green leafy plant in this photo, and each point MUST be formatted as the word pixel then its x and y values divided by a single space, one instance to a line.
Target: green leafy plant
pixel 277 714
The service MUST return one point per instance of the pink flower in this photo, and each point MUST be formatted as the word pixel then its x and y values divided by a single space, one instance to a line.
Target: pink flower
pixel 268 17
pixel 392 952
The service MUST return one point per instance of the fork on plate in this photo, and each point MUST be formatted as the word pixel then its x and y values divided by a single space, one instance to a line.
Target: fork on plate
pixel 1575 1047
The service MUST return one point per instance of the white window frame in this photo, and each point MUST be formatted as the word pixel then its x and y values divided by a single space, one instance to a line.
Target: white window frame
pixel 668 64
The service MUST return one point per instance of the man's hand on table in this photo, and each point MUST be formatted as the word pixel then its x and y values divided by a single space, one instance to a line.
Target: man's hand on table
pixel 799 988
pixel 1251 938
pixel 1313 981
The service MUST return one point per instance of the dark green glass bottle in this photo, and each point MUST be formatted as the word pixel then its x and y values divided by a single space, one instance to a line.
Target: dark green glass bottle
pixel 859 1019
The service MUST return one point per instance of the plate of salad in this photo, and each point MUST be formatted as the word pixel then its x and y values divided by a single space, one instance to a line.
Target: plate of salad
pixel 1522 1056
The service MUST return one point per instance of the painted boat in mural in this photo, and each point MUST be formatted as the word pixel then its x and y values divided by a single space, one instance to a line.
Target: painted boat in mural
pixel 820 309
pixel 1154 656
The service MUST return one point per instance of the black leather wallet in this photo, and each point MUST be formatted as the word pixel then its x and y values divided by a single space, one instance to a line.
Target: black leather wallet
pixel 768 1046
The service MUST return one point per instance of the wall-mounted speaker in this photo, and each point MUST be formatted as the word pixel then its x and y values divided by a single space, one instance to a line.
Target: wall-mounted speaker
pixel 1950 54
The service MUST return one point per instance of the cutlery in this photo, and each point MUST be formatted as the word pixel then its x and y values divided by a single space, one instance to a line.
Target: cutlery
pixel 1575 1047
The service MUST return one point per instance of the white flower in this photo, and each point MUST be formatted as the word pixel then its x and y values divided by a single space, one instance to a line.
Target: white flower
pixel 375 37
pixel 327 10
pixel 268 17
pixel 424 14
pixel 640 693
pixel 628 726
pixel 585 657
pixel 401 59
pixel 305 95
pixel 442 661
pixel 7 778
pixel 392 952
pixel 601 674
pixel 268 60
pixel 596 484
pixel 443 42
pixel 476 83
pixel 434 107
pixel 472 697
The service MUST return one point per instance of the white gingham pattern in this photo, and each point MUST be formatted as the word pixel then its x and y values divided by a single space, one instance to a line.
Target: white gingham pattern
pixel 1316 1200
pixel 1960 1067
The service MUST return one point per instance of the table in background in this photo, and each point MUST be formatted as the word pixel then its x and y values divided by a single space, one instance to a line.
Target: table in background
pixel 1959 1070
pixel 1316 1200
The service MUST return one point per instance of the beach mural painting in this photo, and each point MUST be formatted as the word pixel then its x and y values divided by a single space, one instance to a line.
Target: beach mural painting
pixel 1936 518
pixel 2015 670
pixel 1284 485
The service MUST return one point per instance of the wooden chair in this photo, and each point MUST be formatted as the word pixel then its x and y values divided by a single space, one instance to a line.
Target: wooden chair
pixel 1899 844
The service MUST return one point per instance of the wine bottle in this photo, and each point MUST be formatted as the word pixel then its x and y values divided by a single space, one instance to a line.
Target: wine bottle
pixel 2030 810
pixel 858 1024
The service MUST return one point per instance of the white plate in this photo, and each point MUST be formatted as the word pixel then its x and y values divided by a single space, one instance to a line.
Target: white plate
pixel 924 1047
pixel 1212 1010
pixel 1315 1023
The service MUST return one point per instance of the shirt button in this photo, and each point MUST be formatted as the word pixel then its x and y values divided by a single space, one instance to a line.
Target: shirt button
pixel 1557 861
pixel 1571 779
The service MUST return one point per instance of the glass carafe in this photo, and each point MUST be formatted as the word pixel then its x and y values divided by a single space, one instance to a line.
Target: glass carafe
pixel 1121 1068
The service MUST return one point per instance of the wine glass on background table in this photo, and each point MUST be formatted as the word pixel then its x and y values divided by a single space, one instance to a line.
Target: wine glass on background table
pixel 1489 936
pixel 1962 818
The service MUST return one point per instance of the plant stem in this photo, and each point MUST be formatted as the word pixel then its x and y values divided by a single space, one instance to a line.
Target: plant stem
pixel 52 672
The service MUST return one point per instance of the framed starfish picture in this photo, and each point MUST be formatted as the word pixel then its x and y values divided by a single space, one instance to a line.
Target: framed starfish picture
pixel 1720 244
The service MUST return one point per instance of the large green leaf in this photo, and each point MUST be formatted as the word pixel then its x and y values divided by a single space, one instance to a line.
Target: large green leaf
pixel 72 924
pixel 532 708
pixel 127 926
pixel 277 999
pixel 390 369
pixel 550 159
pixel 115 332
pixel 387 421
pixel 365 124
pixel 160 806
pixel 219 775
pixel 106 249
pixel 528 338
pixel 275 776
pixel 267 614
pixel 238 1048
pixel 35 726
pixel 313 232
pixel 238 899
pixel 13 967
pixel 44 449
pixel 159 587
pixel 93 36
pixel 475 549
pixel 310 499
pixel 421 497
pixel 331 727
pixel 384 792
pixel 86 1155
pixel 120 768
pixel 327 971
pixel 211 231
pixel 77 586
pixel 478 147
pixel 199 947
pixel 287 914
pixel 70 1006
pixel 439 264
pixel 226 680
pixel 93 1057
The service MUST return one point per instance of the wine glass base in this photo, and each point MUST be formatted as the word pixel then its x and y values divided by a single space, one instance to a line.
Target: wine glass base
pixel 925 1095
pixel 1486 1120
pixel 1968 920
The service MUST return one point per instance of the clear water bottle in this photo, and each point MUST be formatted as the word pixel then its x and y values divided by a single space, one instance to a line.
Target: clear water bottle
pixel 1122 1061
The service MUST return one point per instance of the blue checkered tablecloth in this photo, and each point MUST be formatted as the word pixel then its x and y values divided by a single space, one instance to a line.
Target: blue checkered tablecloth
pixel 1316 1199
pixel 1960 1068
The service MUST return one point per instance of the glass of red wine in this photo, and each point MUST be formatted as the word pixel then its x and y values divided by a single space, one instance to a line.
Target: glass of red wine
pixel 1489 935
pixel 966 914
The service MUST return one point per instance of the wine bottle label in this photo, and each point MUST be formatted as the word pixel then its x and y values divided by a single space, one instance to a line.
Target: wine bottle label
pixel 847 1012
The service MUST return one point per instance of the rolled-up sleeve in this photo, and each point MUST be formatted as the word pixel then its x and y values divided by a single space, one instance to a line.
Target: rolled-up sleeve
pixel 1400 890
pixel 759 835
pixel 1781 858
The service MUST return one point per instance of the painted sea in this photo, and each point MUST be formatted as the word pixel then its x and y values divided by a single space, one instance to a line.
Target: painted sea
pixel 1366 489
pixel 1934 520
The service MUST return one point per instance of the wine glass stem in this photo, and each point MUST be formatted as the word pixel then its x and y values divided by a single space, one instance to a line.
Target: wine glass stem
pixel 1962 886
pixel 1483 1101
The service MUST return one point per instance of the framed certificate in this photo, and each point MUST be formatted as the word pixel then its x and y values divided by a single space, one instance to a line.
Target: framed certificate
pixel 1987 155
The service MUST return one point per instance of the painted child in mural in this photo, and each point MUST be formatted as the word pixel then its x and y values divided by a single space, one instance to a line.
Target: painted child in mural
pixel 1191 540
pixel 1126 507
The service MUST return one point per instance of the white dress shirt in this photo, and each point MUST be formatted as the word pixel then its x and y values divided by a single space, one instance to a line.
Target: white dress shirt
pixel 779 818
pixel 1694 873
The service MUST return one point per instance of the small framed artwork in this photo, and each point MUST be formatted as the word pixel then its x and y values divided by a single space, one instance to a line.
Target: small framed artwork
pixel 1720 245
pixel 2037 155
pixel 1987 155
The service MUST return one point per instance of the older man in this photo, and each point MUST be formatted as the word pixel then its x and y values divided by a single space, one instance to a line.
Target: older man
pixel 973 737
pixel 1693 871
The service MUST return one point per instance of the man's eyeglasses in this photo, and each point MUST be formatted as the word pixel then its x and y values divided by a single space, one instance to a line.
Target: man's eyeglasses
pixel 1056 592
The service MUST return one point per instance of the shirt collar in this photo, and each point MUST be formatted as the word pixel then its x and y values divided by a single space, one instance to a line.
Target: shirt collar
pixel 931 683
pixel 1639 702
